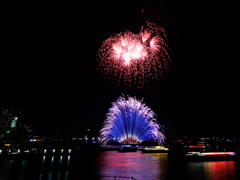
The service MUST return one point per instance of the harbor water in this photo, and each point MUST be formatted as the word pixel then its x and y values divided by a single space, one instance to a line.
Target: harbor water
pixel 115 165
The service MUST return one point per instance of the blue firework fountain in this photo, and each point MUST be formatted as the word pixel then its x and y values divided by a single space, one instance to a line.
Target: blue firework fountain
pixel 130 121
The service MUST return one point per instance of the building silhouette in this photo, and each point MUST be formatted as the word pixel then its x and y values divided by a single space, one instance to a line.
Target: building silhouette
pixel 14 134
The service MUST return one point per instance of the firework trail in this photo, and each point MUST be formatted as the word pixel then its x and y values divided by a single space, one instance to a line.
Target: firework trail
pixel 135 57
pixel 130 121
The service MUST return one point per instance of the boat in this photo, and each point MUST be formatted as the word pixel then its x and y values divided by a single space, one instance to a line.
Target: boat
pixel 205 156
pixel 127 148
pixel 156 149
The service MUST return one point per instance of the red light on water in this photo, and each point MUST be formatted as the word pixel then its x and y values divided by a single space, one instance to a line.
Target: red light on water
pixel 221 170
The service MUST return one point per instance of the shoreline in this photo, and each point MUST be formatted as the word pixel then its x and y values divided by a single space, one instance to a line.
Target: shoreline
pixel 171 155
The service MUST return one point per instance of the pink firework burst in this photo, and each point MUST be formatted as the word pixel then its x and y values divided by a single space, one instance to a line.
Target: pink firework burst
pixel 135 57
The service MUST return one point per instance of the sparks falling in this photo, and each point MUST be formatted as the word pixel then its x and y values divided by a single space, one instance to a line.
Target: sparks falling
pixel 135 57
pixel 129 121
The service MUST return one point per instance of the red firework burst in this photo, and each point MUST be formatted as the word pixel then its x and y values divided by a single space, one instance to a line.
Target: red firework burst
pixel 135 57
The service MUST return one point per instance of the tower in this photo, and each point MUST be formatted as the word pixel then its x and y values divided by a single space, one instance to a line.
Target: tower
pixel 14 122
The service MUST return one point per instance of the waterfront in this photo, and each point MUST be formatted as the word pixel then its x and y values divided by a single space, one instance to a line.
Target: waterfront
pixel 90 165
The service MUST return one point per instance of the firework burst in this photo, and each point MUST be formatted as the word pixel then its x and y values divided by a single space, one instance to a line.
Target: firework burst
pixel 135 57
pixel 130 121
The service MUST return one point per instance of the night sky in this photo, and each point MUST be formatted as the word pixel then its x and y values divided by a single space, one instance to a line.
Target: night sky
pixel 49 68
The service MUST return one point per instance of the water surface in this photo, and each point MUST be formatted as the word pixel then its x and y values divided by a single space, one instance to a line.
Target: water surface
pixel 139 165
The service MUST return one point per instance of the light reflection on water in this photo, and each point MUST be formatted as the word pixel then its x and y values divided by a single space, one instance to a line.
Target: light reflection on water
pixel 55 167
pixel 139 165
pixel 111 163
pixel 212 170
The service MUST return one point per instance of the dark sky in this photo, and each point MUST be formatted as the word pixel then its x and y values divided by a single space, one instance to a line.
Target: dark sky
pixel 49 69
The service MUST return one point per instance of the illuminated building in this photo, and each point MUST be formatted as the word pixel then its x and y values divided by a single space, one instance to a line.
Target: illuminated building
pixel 13 139
pixel 11 118
pixel 6 117
pixel 14 134
pixel 200 147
